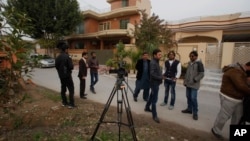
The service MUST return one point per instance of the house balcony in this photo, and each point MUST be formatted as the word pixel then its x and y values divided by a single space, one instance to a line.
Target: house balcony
pixel 124 11
pixel 100 34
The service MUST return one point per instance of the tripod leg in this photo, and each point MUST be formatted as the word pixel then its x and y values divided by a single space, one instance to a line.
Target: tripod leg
pixel 107 105
pixel 129 114
pixel 119 111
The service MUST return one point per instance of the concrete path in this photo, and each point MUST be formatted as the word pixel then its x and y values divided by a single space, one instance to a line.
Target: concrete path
pixel 208 101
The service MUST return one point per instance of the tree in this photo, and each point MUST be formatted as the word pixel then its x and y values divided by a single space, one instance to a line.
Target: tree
pixel 167 39
pixel 50 17
pixel 148 31
pixel 13 26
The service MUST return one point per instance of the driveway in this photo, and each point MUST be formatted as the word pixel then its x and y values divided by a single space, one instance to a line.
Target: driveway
pixel 208 101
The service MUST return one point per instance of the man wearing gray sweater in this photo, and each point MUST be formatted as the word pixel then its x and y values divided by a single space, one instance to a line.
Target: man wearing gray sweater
pixel 193 76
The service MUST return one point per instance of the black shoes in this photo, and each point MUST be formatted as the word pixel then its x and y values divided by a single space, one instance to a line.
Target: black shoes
pixel 156 119
pixel 186 111
pixel 83 96
pixel 195 117
pixel 92 89
pixel 216 135
pixel 147 110
pixel 135 99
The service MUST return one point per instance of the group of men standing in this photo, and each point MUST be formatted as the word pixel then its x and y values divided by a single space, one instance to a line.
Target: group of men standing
pixel 64 66
pixel 150 76
pixel 234 88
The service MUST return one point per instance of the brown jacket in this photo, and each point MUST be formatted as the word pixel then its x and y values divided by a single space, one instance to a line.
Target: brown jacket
pixel 234 82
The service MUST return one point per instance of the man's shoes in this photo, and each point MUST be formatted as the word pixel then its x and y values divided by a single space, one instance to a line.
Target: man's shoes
pixel 93 91
pixel 135 99
pixel 171 107
pixel 83 97
pixel 71 106
pixel 156 119
pixel 64 104
pixel 147 110
pixel 186 111
pixel 195 117
pixel 163 104
pixel 216 135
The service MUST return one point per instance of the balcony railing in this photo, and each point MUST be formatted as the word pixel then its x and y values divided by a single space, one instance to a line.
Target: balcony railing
pixel 92 8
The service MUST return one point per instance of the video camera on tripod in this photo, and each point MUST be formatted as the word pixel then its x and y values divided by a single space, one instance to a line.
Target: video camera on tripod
pixel 121 71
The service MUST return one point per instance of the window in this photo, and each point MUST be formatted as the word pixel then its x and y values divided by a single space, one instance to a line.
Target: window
pixel 80 28
pixel 124 23
pixel 79 45
pixel 124 3
pixel 104 26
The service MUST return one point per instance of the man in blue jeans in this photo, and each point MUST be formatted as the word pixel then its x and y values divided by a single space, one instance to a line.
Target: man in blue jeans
pixel 94 66
pixel 193 76
pixel 142 77
pixel 155 81
pixel 172 73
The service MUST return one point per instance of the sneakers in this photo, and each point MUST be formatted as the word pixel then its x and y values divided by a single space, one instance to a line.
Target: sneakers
pixel 170 107
pixel 163 104
pixel 216 135
pixel 156 119
pixel 186 111
pixel 64 104
pixel 71 106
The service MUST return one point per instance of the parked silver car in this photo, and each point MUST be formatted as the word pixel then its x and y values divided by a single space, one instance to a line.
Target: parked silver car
pixel 46 61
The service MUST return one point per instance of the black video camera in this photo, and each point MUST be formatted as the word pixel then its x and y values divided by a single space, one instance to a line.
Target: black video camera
pixel 121 72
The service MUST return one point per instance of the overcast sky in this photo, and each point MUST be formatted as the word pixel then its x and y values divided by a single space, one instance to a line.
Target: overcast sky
pixel 172 10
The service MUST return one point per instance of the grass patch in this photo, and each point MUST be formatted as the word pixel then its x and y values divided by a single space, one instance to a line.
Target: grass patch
pixel 52 96
pixel 38 136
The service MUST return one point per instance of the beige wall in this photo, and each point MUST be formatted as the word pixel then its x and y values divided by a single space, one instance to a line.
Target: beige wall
pixel 184 49
pixel 227 54
pixel 213 34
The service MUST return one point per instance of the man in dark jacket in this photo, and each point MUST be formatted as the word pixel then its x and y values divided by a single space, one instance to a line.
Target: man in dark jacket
pixel 82 74
pixel 172 73
pixel 155 81
pixel 142 77
pixel 233 89
pixel 64 67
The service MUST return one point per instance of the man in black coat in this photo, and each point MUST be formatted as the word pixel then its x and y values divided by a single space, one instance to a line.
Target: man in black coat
pixel 64 67
pixel 82 74
pixel 142 77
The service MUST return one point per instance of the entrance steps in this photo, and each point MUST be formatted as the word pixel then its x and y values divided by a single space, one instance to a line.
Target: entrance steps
pixel 212 80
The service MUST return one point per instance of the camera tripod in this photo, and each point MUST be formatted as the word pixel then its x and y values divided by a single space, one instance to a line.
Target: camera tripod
pixel 121 99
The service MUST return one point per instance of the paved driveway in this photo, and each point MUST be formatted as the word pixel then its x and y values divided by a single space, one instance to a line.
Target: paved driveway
pixel 208 101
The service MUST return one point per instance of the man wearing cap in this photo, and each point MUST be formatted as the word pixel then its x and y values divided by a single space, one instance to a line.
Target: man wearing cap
pixel 64 67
